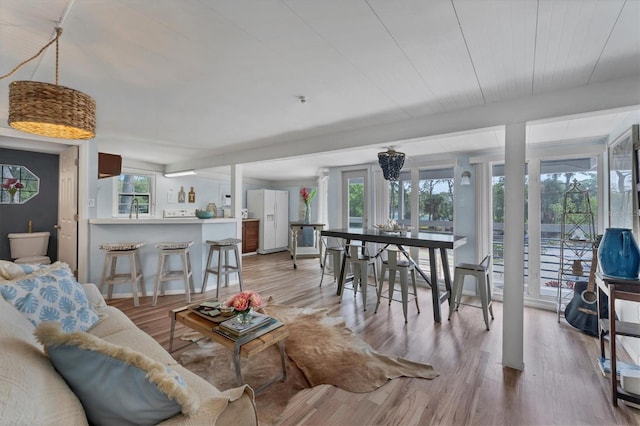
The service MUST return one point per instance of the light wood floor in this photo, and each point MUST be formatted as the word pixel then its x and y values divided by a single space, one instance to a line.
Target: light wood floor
pixel 560 384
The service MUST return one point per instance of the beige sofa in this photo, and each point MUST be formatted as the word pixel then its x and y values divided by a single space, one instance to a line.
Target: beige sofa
pixel 33 393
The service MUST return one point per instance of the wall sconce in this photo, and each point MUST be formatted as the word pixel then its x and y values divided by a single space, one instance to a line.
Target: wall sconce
pixel 465 180
pixel 391 162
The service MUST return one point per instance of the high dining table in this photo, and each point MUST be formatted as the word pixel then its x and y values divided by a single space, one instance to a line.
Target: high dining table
pixel 429 240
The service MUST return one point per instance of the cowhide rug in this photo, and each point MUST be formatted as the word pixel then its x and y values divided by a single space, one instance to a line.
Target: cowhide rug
pixel 320 349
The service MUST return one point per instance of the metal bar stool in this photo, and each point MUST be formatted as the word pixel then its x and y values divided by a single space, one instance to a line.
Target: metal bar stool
pixel 360 260
pixel 128 251
pixel 403 267
pixel 483 283
pixel 223 247
pixel 331 246
pixel 164 274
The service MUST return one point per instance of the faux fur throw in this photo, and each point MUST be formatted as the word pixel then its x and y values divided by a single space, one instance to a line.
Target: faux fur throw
pixel 328 352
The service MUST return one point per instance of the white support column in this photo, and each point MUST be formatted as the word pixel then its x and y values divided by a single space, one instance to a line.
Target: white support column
pixel 236 195
pixel 323 196
pixel 513 304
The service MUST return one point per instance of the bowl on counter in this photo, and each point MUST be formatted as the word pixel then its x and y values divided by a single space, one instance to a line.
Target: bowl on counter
pixel 204 214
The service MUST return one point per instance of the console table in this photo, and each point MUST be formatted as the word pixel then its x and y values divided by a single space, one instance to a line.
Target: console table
pixel 295 228
pixel 617 289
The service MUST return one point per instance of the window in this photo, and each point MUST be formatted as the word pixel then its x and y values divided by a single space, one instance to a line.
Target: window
pixel 400 202
pixel 556 177
pixel 436 200
pixel 497 185
pixel 354 192
pixel 130 187
pixel 19 184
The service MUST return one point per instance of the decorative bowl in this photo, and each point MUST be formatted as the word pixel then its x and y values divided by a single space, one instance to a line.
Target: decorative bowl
pixel 204 214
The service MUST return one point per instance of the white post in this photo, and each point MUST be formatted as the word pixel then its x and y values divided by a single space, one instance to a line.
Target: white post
pixel 513 303
pixel 236 195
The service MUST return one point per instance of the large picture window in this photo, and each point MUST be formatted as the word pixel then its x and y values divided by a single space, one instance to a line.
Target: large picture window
pixel 436 200
pixel 131 189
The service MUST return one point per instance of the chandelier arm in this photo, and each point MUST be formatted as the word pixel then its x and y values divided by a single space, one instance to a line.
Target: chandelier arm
pixel 10 73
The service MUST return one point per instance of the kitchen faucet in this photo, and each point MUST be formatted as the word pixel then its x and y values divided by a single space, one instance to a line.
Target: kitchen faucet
pixel 137 207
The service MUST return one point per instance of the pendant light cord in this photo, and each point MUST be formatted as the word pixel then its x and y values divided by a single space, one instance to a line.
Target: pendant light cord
pixel 58 33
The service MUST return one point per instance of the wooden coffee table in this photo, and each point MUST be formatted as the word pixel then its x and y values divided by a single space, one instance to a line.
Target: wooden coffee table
pixel 245 346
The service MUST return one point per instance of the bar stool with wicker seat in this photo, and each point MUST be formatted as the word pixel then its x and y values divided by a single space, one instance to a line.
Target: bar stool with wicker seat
pixel 130 252
pixel 223 247
pixel 395 266
pixel 180 249
pixel 483 283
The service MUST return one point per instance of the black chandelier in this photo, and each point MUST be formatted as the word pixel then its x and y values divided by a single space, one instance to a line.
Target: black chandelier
pixel 391 161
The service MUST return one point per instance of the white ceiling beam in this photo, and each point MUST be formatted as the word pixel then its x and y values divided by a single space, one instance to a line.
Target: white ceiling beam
pixel 595 97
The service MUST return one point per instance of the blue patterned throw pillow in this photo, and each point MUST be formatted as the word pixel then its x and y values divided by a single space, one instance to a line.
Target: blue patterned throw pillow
pixel 116 385
pixel 52 294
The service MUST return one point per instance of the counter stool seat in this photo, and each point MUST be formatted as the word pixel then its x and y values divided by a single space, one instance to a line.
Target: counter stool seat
pixel 223 268
pixel 483 283
pixel 164 274
pixel 129 251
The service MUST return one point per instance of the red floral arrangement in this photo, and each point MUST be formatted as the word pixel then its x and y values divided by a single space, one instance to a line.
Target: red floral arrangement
pixel 12 185
pixel 307 196
pixel 244 301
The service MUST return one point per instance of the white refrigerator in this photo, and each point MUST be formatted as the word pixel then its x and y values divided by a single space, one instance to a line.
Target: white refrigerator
pixel 272 208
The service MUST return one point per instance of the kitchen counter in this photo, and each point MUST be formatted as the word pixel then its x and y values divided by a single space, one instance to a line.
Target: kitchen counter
pixel 160 221
pixel 152 231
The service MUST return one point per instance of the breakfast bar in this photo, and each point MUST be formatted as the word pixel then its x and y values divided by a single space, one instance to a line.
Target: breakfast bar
pixel 152 231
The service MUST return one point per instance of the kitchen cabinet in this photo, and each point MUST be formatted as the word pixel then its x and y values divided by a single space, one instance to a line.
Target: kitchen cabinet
pixel 250 235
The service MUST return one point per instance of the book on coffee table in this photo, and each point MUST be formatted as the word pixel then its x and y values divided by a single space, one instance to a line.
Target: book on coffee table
pixel 235 328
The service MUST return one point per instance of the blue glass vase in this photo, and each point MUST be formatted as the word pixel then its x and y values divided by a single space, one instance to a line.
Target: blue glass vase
pixel 618 254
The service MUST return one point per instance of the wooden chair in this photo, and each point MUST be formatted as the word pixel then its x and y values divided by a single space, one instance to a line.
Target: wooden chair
pixel 398 265
pixel 483 284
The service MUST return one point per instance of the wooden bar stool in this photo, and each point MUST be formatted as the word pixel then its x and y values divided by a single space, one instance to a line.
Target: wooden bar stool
pixel 403 267
pixel 483 283
pixel 131 252
pixel 164 274
pixel 223 247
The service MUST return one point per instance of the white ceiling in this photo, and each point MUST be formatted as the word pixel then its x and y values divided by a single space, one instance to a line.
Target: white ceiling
pixel 203 84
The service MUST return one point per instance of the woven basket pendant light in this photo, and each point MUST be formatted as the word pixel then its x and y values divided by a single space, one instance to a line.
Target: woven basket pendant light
pixel 50 109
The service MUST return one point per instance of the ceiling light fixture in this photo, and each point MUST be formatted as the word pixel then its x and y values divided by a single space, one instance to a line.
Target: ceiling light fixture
pixel 391 162
pixel 180 173
pixel 49 109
